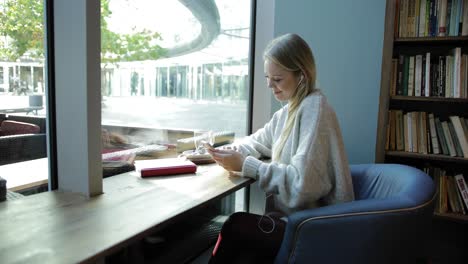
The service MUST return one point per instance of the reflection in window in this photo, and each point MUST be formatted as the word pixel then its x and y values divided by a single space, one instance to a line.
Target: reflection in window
pixel 187 71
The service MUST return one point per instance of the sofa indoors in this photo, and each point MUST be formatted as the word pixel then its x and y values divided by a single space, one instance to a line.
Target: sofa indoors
pixel 22 138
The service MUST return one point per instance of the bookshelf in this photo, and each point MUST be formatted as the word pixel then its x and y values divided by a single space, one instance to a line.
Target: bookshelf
pixel 424 73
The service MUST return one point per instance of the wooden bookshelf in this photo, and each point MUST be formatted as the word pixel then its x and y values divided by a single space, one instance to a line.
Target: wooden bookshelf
pixel 427 157
pixel 431 99
pixel 431 40
pixel 441 107
pixel 452 217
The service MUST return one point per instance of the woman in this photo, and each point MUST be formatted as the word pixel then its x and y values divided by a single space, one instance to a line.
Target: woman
pixel 308 165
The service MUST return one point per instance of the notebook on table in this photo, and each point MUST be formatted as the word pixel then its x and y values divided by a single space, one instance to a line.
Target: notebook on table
pixel 162 167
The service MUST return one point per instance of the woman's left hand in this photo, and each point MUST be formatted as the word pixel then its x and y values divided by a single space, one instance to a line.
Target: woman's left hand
pixel 229 159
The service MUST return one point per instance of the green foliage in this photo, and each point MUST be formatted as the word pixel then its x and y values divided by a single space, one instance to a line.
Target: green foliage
pixel 127 47
pixel 22 22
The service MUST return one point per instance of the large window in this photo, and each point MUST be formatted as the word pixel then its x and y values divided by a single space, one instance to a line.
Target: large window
pixel 192 75
pixel 174 67
pixel 169 68
pixel 23 152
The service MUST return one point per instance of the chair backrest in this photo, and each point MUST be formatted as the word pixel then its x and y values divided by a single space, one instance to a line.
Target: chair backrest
pixel 389 221
pixel 37 120
pixel 408 186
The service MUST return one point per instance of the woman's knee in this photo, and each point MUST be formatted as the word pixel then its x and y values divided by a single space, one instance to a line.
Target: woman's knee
pixel 237 221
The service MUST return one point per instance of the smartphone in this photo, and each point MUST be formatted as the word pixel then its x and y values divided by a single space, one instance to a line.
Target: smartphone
pixel 208 146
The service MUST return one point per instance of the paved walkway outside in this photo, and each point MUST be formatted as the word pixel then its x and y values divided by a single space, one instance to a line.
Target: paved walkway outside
pixel 163 112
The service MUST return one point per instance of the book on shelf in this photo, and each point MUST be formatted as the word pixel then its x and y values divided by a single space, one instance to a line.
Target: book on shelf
pixel 414 131
pixel 441 76
pixel 441 137
pixel 432 20
pixel 460 135
pixel 418 75
pixel 448 76
pixel 455 200
pixel 448 138
pixel 411 75
pixel 443 208
pixel 442 19
pixel 394 80
pixel 464 31
pixel 455 141
pixel 407 132
pixel 422 19
pixel 399 130
pixel 392 126
pixel 405 83
pixel 400 77
pixel 463 188
pixel 460 201
pixel 464 76
pixel 403 11
pixel 417 9
pixel 433 133
pixel 411 19
pixel 464 125
pixel 451 12
pixel 422 132
pixel 452 195
pixel 427 75
pixel 163 167
pixel 456 72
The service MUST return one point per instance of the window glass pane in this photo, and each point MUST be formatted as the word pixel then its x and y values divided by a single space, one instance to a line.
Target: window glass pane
pixel 169 68
pixel 23 156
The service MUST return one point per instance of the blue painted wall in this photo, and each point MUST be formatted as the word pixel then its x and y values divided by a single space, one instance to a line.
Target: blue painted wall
pixel 346 37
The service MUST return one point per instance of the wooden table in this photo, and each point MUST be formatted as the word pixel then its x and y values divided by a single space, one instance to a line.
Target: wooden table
pixel 56 227
pixel 25 175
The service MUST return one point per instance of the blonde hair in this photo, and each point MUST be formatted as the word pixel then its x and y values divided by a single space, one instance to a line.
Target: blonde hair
pixel 292 53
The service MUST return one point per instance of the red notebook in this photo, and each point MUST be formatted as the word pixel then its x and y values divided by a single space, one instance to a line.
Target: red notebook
pixel 162 167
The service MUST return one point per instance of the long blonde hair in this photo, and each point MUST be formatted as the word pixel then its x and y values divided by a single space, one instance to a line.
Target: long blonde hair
pixel 292 53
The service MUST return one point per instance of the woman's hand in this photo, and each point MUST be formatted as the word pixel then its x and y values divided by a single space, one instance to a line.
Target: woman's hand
pixel 229 159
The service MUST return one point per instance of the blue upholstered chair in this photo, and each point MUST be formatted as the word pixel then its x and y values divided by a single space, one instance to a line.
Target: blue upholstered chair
pixel 388 222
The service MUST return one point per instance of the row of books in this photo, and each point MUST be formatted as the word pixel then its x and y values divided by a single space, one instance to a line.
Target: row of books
pixel 431 18
pixel 426 75
pixel 452 191
pixel 421 132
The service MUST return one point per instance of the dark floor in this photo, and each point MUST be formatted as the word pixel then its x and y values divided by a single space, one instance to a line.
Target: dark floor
pixel 203 258
pixel 449 242
pixel 188 242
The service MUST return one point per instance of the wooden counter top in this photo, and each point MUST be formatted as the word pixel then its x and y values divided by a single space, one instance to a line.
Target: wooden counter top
pixel 57 227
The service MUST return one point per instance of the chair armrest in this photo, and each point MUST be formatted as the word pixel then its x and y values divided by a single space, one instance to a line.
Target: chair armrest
pixel 16 148
pixel 355 231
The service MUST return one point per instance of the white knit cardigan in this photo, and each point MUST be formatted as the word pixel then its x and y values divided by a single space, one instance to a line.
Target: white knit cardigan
pixel 313 169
